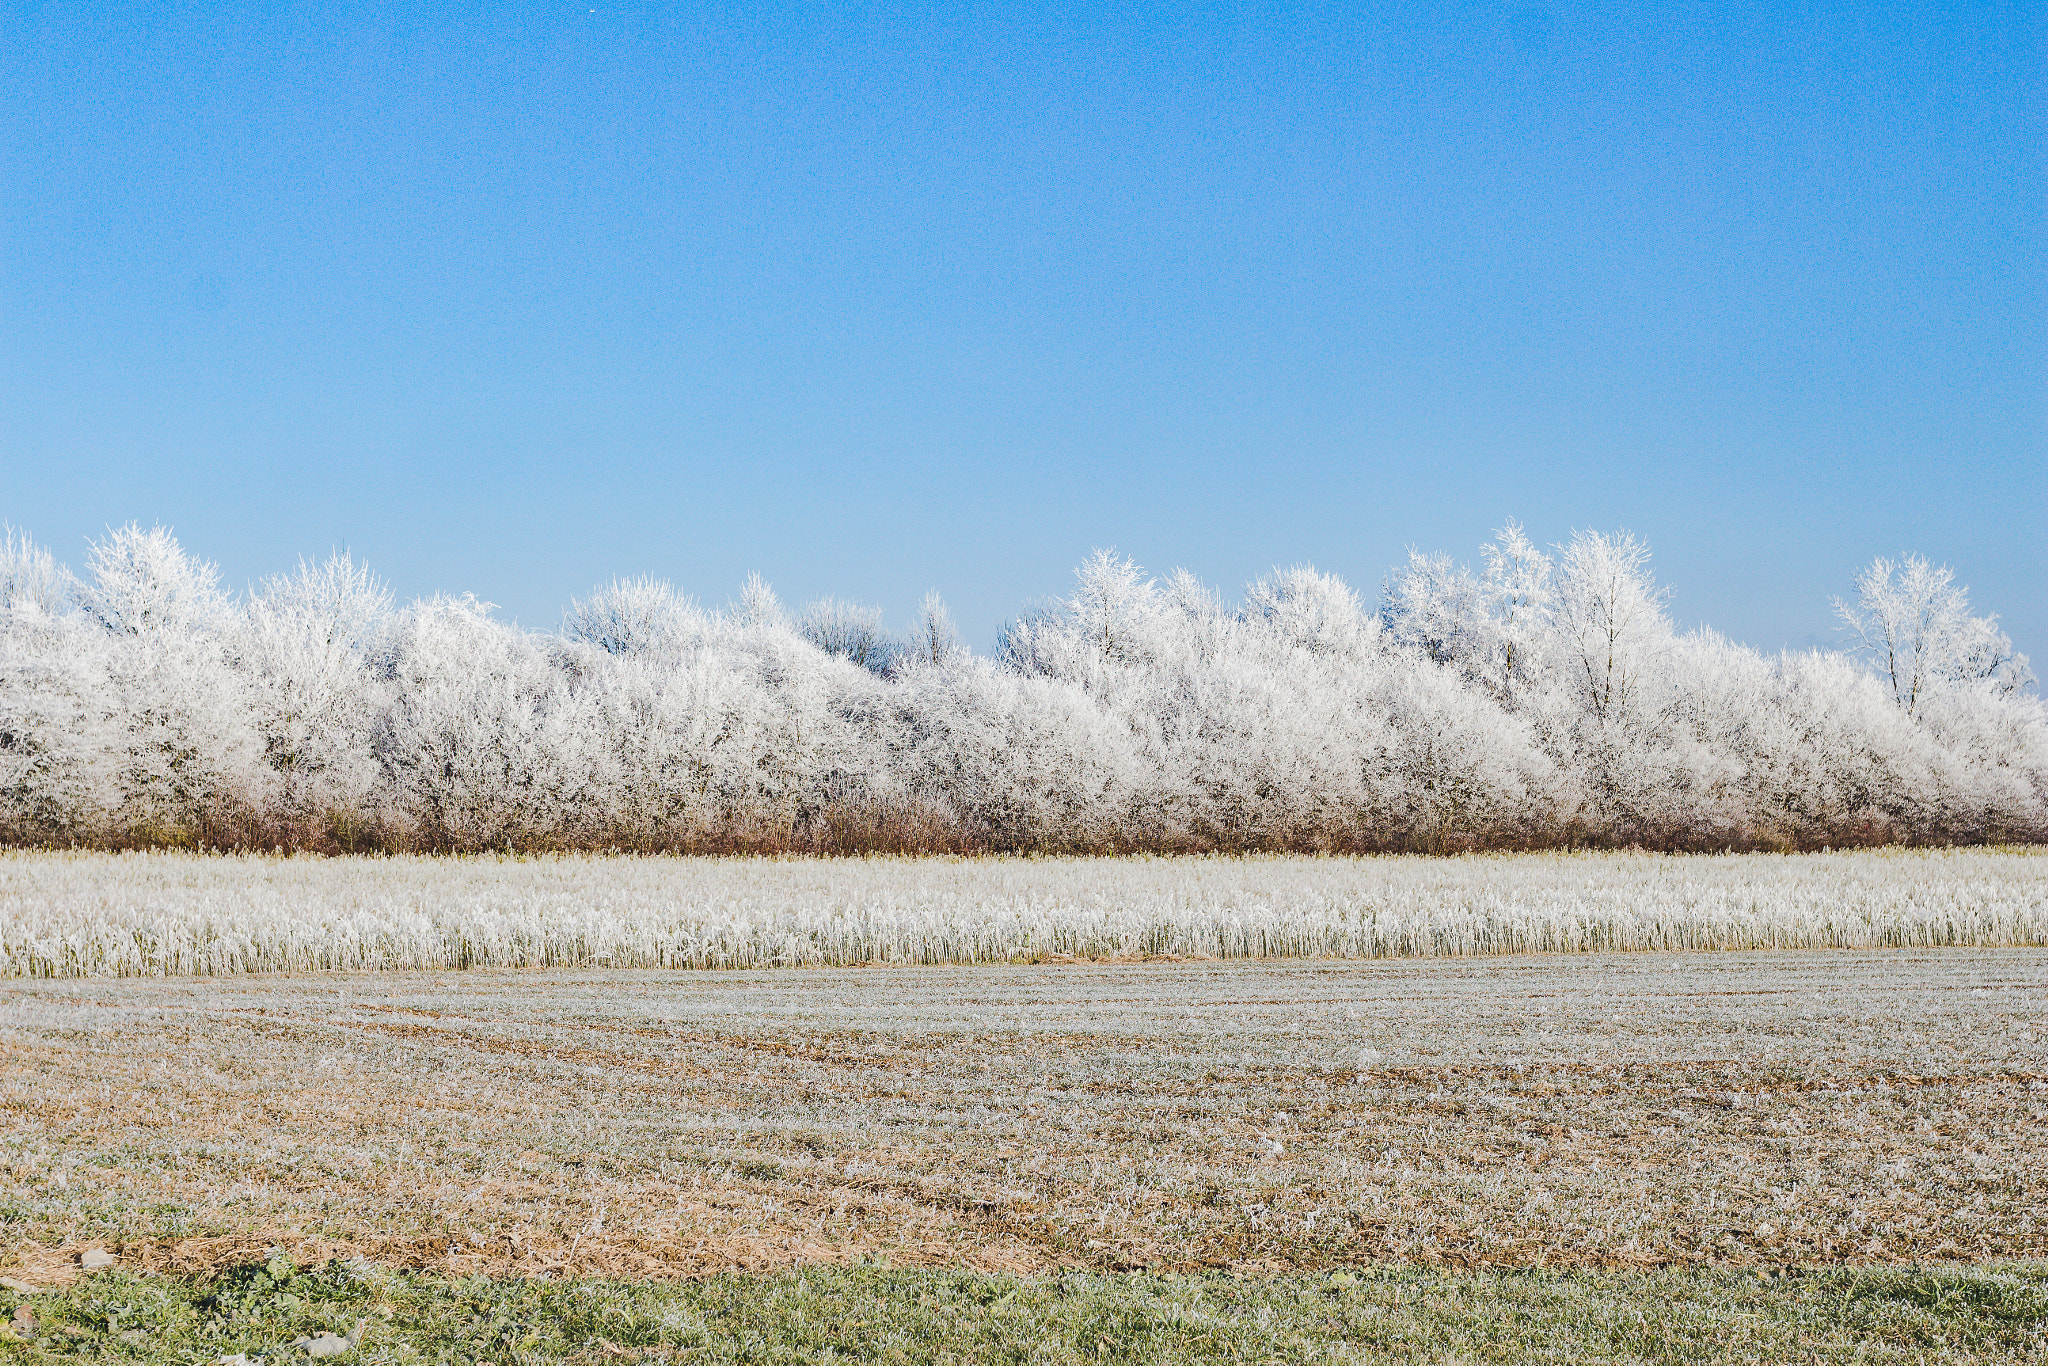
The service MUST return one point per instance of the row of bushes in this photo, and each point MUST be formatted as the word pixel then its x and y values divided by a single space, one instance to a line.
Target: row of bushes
pixel 1544 699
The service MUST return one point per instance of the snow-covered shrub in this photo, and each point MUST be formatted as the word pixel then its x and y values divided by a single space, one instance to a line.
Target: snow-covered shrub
pixel 1545 698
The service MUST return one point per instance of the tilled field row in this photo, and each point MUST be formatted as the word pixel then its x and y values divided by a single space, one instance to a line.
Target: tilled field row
pixel 1638 1109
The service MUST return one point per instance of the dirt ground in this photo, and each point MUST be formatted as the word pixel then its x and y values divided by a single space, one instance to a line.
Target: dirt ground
pixel 1751 1108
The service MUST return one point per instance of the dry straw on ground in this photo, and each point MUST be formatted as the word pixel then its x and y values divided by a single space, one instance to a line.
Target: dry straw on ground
pixel 1603 1109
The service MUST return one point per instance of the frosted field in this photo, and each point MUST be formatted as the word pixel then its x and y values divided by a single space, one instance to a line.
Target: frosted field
pixel 91 915
pixel 1745 1109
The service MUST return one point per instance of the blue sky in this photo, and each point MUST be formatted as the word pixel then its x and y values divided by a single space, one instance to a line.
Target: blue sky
pixel 872 299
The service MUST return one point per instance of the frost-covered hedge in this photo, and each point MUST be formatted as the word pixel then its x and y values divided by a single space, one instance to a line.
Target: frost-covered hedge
pixel 1544 700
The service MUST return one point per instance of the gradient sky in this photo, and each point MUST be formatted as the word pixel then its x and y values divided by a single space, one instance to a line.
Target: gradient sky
pixel 874 298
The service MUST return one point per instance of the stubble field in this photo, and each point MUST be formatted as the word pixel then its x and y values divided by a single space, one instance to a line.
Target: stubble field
pixel 1599 1110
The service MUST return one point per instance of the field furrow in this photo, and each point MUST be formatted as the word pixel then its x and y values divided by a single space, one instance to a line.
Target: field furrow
pixel 1560 1110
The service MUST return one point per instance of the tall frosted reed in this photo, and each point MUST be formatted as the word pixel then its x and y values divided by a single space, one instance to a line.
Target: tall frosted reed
pixel 160 914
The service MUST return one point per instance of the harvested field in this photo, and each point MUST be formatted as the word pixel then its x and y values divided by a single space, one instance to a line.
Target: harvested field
pixel 1572 1110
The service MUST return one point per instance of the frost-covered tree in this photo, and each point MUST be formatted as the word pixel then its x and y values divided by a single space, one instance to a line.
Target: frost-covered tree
pixel 933 642
pixel 308 643
pixel 1435 606
pixel 482 740
pixel 1520 595
pixel 846 629
pixel 31 583
pixel 1492 627
pixel 1319 613
pixel 142 583
pixel 758 608
pixel 1102 623
pixel 1544 698
pixel 634 616
pixel 742 728
pixel 1015 761
pixel 188 756
pixel 1610 625
pixel 57 734
pixel 1912 621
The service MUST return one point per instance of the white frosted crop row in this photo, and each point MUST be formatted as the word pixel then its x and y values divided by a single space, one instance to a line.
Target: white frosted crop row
pixel 94 914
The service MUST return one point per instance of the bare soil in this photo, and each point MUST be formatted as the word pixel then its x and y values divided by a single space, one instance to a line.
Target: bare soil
pixel 1619 1110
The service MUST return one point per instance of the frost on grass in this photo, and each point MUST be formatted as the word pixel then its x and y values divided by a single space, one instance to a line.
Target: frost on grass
pixel 1595 1110
pixel 72 915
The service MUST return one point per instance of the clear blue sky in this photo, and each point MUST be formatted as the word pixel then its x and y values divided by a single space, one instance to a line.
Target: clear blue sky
pixel 878 298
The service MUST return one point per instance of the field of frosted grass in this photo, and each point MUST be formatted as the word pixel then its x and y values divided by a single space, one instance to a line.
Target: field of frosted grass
pixel 91 914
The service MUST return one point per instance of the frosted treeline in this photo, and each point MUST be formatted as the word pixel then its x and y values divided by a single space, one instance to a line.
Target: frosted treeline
pixel 149 914
pixel 1543 697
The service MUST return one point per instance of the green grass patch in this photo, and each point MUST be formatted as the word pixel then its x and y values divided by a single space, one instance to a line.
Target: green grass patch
pixel 880 1314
